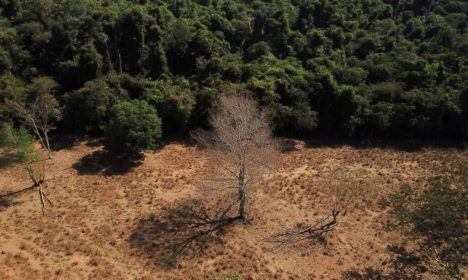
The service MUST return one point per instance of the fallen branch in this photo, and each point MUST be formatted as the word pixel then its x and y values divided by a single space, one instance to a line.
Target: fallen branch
pixel 304 232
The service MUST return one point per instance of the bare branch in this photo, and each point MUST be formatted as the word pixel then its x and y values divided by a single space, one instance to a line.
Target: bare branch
pixel 240 142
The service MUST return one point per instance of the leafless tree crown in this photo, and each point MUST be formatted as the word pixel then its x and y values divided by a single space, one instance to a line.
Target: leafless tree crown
pixel 241 140
pixel 240 125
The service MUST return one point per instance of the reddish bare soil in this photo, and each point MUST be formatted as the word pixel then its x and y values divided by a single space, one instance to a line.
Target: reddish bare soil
pixel 102 220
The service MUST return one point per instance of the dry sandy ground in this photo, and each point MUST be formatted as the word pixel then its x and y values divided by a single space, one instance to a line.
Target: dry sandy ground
pixel 103 218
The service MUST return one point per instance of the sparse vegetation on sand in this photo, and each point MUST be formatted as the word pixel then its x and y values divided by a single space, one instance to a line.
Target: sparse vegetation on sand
pixel 233 139
pixel 120 225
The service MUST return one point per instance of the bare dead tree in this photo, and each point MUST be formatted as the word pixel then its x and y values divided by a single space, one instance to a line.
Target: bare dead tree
pixel 38 110
pixel 241 144
pixel 37 176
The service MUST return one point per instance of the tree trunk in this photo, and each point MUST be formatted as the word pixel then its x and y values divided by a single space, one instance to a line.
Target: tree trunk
pixel 111 65
pixel 46 138
pixel 41 139
pixel 120 61
pixel 142 52
pixel 242 195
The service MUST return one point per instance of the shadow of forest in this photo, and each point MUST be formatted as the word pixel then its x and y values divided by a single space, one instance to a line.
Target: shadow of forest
pixel 409 145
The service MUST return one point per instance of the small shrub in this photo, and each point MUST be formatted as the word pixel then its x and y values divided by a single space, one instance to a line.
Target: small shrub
pixel 133 126
pixel 19 142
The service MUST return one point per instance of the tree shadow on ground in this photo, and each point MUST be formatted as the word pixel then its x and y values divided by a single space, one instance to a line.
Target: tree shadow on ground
pixel 396 144
pixel 7 160
pixel 68 141
pixel 7 202
pixel 184 231
pixel 64 142
pixel 105 163
pixel 402 265
pixel 287 145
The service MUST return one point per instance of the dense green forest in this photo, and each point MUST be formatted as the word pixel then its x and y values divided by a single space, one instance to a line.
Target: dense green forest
pixel 369 68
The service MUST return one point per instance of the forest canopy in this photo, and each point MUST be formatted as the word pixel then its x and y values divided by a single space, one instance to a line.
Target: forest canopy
pixel 386 68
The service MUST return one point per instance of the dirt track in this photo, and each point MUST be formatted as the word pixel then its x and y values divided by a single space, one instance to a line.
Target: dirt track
pixel 105 213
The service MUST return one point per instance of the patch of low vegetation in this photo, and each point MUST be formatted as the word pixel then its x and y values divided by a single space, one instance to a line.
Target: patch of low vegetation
pixel 236 75
pixel 434 219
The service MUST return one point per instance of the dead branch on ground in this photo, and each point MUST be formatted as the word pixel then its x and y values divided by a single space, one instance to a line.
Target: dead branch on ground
pixel 340 199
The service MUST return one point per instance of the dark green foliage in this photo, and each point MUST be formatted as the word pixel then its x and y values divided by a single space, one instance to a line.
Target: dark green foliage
pixel 174 102
pixel 20 142
pixel 133 126
pixel 87 109
pixel 283 86
pixel 358 67
pixel 464 106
